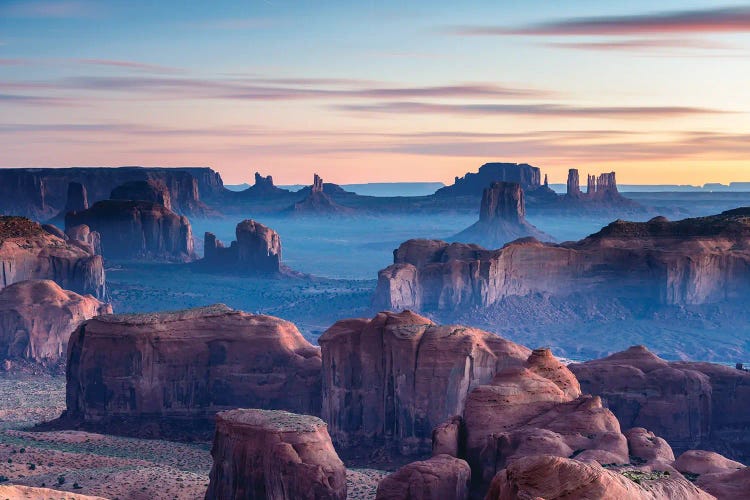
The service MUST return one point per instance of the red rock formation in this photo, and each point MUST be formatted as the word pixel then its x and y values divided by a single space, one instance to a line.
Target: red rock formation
pixel 441 477
pixel 318 201
pixel 257 251
pixel 139 230
pixel 37 318
pixel 27 251
pixel 392 379
pixel 274 455
pixel 693 261
pixel 691 405
pixel 726 486
pixel 151 190
pixel 502 218
pixel 472 184
pixel 83 236
pixel 169 373
pixel 574 184
pixel 645 445
pixel 700 462
pixel 17 492
pixel 546 476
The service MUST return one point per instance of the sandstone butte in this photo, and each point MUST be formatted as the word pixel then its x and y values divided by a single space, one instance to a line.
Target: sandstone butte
pixel 692 261
pixel 37 318
pixel 690 404
pixel 275 455
pixel 137 230
pixel 256 251
pixel 318 202
pixel 170 373
pixel 391 379
pixel 502 218
pixel 28 251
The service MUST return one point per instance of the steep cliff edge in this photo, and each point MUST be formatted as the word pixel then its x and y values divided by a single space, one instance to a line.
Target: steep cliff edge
pixel 27 251
pixel 390 380
pixel 502 218
pixel 692 261
pixel 37 318
pixel 169 373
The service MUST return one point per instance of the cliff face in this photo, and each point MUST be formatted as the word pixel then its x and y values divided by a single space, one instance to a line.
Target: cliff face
pixel 502 218
pixel 40 193
pixel 169 373
pixel 137 230
pixel 691 405
pixel 693 261
pixel 256 251
pixel 472 184
pixel 150 190
pixel 28 252
pixel 37 318
pixel 274 455
pixel 392 379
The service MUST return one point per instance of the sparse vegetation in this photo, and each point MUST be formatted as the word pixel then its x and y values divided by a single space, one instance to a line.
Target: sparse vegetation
pixel 639 477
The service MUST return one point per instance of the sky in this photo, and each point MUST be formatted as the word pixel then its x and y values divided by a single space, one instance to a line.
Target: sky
pixel 378 91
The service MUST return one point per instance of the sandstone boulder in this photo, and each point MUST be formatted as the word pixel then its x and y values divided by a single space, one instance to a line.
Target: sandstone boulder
pixel 390 380
pixel 37 318
pixel 169 373
pixel 441 477
pixel 274 455
pixel 29 252
pixel 701 462
pixel 645 445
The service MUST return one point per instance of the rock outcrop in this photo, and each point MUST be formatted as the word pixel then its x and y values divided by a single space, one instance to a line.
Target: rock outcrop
pixel 274 455
pixel 688 262
pixel 441 477
pixel 150 190
pixel 37 318
pixel 40 193
pixel 255 252
pixel 390 380
pixel 17 492
pixel 84 237
pixel 691 405
pixel 137 230
pixel 318 201
pixel 573 185
pixel 169 373
pixel 502 218
pixel 473 184
pixel 28 251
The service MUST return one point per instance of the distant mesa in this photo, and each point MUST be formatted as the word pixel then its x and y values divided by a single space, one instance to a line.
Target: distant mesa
pixel 689 262
pixel 29 251
pixel 136 224
pixel 318 201
pixel 502 218
pixel 37 318
pixel 263 188
pixel 263 454
pixel 473 184
pixel 137 374
pixel 256 251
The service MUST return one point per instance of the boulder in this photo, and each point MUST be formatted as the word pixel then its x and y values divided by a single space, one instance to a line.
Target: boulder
pixel 390 380
pixel 169 373
pixel 37 318
pixel 699 462
pixel 274 455
pixel 137 230
pixel 27 252
pixel 644 445
pixel 441 477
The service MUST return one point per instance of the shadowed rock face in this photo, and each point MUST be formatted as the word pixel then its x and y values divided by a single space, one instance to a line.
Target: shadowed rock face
pixel 151 190
pixel 139 230
pixel 83 236
pixel 256 251
pixel 691 405
pixel 472 184
pixel 502 218
pixel 439 478
pixel 692 261
pixel 169 373
pixel 318 201
pixel 390 380
pixel 274 455
pixel 37 318
pixel 27 251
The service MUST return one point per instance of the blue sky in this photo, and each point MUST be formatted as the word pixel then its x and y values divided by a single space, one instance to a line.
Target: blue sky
pixel 379 91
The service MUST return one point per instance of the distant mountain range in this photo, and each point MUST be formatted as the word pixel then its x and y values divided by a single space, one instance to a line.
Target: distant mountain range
pixel 370 189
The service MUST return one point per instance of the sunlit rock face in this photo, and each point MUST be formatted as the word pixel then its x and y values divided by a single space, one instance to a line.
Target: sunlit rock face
pixel 169 373
pixel 440 477
pixel 390 380
pixel 688 262
pixel 28 251
pixel 275 455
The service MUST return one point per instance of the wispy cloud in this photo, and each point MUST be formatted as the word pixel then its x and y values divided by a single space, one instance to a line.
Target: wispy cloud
pixel 128 65
pixel 644 44
pixel 34 100
pixel 50 9
pixel 551 110
pixel 716 20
